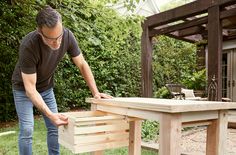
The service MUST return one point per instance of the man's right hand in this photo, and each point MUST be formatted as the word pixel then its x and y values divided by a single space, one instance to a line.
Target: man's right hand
pixel 59 119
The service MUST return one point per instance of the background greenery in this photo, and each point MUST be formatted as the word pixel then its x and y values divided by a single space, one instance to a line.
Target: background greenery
pixel 8 143
pixel 110 44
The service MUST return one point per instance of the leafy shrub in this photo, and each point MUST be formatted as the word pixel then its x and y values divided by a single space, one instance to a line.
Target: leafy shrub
pixel 110 44
pixel 162 93
pixel 150 130
pixel 196 81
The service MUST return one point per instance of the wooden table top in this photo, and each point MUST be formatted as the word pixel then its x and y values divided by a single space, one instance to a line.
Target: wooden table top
pixel 163 105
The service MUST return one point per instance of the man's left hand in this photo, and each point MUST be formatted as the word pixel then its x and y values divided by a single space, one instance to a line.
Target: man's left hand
pixel 102 95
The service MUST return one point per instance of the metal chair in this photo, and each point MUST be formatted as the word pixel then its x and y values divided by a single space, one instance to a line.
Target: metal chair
pixel 175 91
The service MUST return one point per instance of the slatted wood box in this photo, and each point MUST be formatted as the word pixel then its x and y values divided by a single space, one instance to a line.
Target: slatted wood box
pixel 93 131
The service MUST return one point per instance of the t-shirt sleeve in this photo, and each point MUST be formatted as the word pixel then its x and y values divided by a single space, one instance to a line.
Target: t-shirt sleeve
pixel 74 49
pixel 27 60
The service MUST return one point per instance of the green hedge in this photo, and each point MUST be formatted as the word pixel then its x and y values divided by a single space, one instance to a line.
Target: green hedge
pixel 110 44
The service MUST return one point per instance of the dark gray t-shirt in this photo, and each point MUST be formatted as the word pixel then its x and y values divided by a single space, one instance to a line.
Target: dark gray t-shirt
pixel 37 57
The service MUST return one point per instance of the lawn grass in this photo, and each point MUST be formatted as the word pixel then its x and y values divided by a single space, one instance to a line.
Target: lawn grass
pixel 9 144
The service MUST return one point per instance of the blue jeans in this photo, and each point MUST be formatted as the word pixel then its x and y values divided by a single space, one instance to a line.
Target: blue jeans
pixel 24 109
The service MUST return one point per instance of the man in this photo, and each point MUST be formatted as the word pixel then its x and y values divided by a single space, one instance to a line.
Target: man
pixel 39 54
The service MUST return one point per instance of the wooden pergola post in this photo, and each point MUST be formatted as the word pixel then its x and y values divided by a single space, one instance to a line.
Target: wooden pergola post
pixel 215 49
pixel 146 61
pixel 200 20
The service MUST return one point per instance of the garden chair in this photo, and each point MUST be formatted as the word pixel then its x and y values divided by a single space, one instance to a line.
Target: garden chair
pixel 175 91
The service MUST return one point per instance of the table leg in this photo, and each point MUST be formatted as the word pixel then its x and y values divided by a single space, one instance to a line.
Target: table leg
pixel 170 134
pixel 135 137
pixel 94 108
pixel 217 135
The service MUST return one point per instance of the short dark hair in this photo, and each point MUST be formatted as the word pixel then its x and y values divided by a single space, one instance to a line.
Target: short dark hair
pixel 47 17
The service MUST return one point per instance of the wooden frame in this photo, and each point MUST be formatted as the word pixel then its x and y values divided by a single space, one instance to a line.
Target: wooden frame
pixel 95 131
pixel 200 20
pixel 172 116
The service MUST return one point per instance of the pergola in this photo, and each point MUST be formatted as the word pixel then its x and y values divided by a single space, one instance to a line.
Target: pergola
pixel 210 20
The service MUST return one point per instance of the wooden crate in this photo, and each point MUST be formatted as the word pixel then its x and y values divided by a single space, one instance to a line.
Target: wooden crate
pixel 93 131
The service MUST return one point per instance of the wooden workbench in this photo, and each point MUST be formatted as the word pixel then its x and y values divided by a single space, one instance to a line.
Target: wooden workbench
pixel 172 116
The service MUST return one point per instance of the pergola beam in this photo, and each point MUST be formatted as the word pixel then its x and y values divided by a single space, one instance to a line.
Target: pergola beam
pixel 218 21
pixel 185 11
pixel 169 29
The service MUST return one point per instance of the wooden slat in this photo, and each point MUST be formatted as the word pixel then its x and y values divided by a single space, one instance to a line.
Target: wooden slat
pixel 99 118
pixel 131 112
pixel 81 114
pixel 84 140
pixel 196 123
pixel 232 116
pixel 103 146
pixel 102 128
pixel 80 124
pixel 161 105
pixel 199 116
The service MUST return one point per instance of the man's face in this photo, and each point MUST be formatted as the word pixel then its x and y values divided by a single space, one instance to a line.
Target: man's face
pixel 52 36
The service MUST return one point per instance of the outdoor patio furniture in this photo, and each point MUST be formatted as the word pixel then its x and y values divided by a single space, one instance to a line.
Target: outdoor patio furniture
pixel 189 95
pixel 175 91
pixel 172 115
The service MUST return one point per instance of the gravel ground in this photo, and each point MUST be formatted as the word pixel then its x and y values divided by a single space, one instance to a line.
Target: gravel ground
pixel 194 141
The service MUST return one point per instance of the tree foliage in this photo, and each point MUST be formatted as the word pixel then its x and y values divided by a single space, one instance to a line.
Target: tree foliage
pixel 109 42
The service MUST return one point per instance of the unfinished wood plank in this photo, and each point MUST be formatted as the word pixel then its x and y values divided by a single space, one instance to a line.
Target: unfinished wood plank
pixel 135 138
pixel 198 116
pixel 170 134
pixel 100 152
pixel 102 146
pixel 101 122
pixel 232 116
pixel 161 105
pixel 196 123
pixel 98 118
pixel 217 134
pixel 84 114
pixel 130 112
pixel 101 128
pixel 7 133
pixel 81 140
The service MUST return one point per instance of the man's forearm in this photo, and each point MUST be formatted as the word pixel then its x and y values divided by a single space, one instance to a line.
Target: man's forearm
pixel 38 102
pixel 89 78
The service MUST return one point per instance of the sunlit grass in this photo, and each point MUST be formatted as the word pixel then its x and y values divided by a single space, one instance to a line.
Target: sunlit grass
pixel 9 144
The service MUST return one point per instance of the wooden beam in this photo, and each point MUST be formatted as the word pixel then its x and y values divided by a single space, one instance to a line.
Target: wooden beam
pixel 187 24
pixel 215 49
pixel 185 11
pixel 191 31
pixel 228 13
pixel 199 21
pixel 146 61
pixel 181 38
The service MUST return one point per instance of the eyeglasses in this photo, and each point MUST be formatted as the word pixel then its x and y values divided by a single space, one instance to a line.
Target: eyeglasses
pixel 50 39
